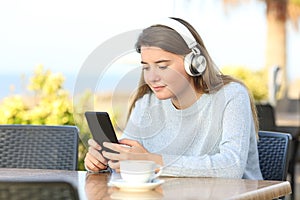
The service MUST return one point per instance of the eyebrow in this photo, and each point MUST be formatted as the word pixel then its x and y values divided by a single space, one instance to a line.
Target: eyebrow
pixel 157 62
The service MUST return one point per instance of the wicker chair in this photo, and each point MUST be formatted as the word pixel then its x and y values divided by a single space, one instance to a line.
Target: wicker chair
pixel 54 190
pixel 38 147
pixel 267 122
pixel 273 150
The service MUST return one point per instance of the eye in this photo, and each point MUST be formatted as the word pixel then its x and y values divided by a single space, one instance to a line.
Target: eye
pixel 145 67
pixel 162 67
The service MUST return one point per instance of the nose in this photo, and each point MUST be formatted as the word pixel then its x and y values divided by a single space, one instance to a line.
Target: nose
pixel 152 75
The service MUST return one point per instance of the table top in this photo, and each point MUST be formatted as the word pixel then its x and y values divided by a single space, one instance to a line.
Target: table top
pixel 95 186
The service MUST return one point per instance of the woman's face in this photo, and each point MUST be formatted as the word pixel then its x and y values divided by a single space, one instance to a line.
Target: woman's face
pixel 165 74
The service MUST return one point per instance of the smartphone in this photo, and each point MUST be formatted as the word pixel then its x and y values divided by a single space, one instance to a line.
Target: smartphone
pixel 101 128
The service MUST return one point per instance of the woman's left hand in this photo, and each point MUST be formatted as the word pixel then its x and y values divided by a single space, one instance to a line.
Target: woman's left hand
pixel 128 150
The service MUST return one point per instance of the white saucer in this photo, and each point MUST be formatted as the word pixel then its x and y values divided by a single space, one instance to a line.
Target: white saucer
pixel 135 186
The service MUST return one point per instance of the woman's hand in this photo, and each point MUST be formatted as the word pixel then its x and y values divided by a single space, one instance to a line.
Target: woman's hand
pixel 128 150
pixel 94 160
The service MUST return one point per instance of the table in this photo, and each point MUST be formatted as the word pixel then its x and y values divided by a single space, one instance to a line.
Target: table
pixel 94 186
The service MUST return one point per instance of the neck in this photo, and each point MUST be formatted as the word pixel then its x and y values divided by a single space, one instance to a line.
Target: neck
pixel 184 102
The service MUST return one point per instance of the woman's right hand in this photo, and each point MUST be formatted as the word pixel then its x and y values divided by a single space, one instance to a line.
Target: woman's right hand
pixel 94 160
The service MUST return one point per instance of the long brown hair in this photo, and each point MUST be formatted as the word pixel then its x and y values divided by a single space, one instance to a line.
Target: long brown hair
pixel 169 40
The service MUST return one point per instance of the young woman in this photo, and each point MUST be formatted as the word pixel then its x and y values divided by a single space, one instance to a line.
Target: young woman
pixel 186 115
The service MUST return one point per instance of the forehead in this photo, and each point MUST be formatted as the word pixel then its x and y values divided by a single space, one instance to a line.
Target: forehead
pixel 151 48
pixel 155 53
pixel 150 54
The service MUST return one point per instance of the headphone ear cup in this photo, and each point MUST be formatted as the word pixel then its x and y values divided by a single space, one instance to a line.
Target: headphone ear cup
pixel 194 65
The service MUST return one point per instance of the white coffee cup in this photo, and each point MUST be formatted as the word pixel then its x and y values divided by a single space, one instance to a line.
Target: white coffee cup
pixel 139 171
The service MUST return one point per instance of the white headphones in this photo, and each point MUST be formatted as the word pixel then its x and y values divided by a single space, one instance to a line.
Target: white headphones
pixel 194 62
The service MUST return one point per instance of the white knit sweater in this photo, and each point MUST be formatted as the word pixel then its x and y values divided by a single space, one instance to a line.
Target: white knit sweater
pixel 215 137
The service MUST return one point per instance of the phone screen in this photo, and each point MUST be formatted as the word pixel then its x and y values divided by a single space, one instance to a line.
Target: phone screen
pixel 101 128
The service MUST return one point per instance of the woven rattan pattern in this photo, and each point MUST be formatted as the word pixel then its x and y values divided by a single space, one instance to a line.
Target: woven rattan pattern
pixel 37 191
pixel 38 147
pixel 273 155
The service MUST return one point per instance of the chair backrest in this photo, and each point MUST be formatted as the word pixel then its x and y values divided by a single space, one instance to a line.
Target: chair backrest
pixel 38 147
pixel 273 150
pixel 266 116
pixel 54 190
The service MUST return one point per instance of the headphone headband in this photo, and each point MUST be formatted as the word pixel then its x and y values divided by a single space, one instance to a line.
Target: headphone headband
pixel 183 31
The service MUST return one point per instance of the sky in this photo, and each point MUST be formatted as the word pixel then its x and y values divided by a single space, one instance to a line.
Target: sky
pixel 61 34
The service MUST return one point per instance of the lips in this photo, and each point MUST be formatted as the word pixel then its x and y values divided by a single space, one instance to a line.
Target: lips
pixel 157 88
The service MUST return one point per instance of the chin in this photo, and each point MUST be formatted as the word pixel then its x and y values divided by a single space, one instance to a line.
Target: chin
pixel 162 97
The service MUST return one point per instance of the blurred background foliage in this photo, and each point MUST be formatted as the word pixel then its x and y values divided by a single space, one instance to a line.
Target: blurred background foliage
pixel 256 81
pixel 48 104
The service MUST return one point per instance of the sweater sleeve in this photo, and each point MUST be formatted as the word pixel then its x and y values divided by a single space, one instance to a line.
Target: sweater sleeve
pixel 230 161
